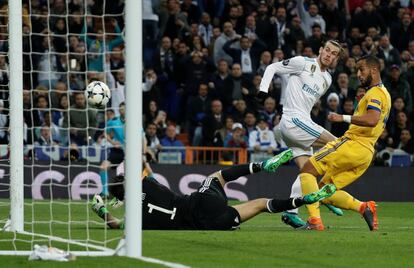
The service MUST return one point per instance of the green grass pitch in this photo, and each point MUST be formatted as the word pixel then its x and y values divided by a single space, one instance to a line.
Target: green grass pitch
pixel 261 242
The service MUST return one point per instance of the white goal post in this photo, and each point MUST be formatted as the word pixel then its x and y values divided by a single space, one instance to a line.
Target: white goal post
pixel 131 245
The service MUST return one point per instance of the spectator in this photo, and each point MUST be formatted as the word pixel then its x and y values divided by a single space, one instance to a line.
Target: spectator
pixel 310 17
pixel 42 106
pixel 60 113
pixel 222 134
pixel 387 52
pixel 54 129
pixel 338 129
pixel 354 37
pixel 45 138
pixel 398 86
pixel 269 111
pixel 117 61
pixel 248 54
pixel 150 31
pixel 240 109
pixel 196 72
pixel 318 114
pixel 212 122
pixel 236 139
pixel 235 17
pixel 368 46
pixel 265 60
pixel 368 17
pixel 401 123
pixel 262 139
pixel 406 142
pixel 170 140
pixel 350 69
pixel 294 35
pixel 280 25
pixel 205 29
pixel 384 141
pixel 164 64
pixel 191 10
pixel 332 107
pixel 227 35
pixel 333 17
pixel 161 122
pixel 80 122
pixel 153 143
pixel 236 87
pixel 46 63
pixel 343 89
pixel 249 122
pixel 402 33
pixel 198 108
pixel 96 50
pixel 150 112
pixel 398 105
pixel 150 88
pixel 59 90
pixel 316 40
pixel 176 24
pixel 218 80
pixel 265 26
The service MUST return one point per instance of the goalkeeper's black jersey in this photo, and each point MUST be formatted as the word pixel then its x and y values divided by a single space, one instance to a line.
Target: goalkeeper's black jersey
pixel 205 209
pixel 163 209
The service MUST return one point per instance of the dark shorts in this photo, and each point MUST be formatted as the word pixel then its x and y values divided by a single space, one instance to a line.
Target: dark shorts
pixel 212 211
pixel 116 155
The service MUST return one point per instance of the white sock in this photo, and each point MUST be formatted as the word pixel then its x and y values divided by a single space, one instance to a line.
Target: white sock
pixel 296 192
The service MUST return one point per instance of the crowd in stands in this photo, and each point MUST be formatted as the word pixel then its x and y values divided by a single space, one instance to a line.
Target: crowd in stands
pixel 203 63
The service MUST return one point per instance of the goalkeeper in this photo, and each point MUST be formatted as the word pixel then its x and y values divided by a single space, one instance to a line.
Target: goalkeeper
pixel 207 208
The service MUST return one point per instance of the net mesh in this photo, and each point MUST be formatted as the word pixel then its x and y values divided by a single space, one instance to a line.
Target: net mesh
pixel 66 45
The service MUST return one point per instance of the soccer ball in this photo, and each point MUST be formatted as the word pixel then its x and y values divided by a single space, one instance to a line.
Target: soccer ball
pixel 97 93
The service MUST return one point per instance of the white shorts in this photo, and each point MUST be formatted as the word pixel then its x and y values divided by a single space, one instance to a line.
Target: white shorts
pixel 299 133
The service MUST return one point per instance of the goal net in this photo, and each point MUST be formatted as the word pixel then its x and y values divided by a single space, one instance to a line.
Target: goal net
pixel 66 45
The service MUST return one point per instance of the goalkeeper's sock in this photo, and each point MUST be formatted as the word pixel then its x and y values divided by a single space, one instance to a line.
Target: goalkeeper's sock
pixel 344 200
pixel 104 180
pixel 278 205
pixel 235 172
pixel 309 185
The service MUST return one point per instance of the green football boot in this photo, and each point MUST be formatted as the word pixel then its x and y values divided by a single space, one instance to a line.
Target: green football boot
pixel 293 220
pixel 334 210
pixel 325 192
pixel 271 164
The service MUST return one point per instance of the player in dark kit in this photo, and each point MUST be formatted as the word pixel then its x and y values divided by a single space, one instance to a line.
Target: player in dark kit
pixel 205 209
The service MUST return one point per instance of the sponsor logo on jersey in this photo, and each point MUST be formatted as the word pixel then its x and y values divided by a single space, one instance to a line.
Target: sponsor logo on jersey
pixel 285 62
pixel 312 91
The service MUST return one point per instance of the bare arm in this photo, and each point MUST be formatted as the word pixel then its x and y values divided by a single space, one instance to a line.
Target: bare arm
pixel 370 119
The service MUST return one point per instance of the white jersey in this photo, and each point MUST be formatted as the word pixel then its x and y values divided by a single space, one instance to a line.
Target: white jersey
pixel 306 83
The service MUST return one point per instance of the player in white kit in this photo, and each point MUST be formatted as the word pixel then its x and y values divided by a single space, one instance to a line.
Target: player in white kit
pixel 308 80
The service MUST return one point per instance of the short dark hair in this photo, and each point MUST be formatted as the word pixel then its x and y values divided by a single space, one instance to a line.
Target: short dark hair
pixel 371 61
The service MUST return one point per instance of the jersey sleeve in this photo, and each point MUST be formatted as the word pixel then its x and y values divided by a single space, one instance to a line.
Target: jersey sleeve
pixel 375 101
pixel 289 66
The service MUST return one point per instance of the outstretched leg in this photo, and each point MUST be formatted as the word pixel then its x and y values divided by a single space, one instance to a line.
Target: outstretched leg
pixel 235 172
pixel 252 208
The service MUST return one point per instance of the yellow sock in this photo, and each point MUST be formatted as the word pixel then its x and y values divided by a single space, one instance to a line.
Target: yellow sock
pixel 342 199
pixel 309 185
